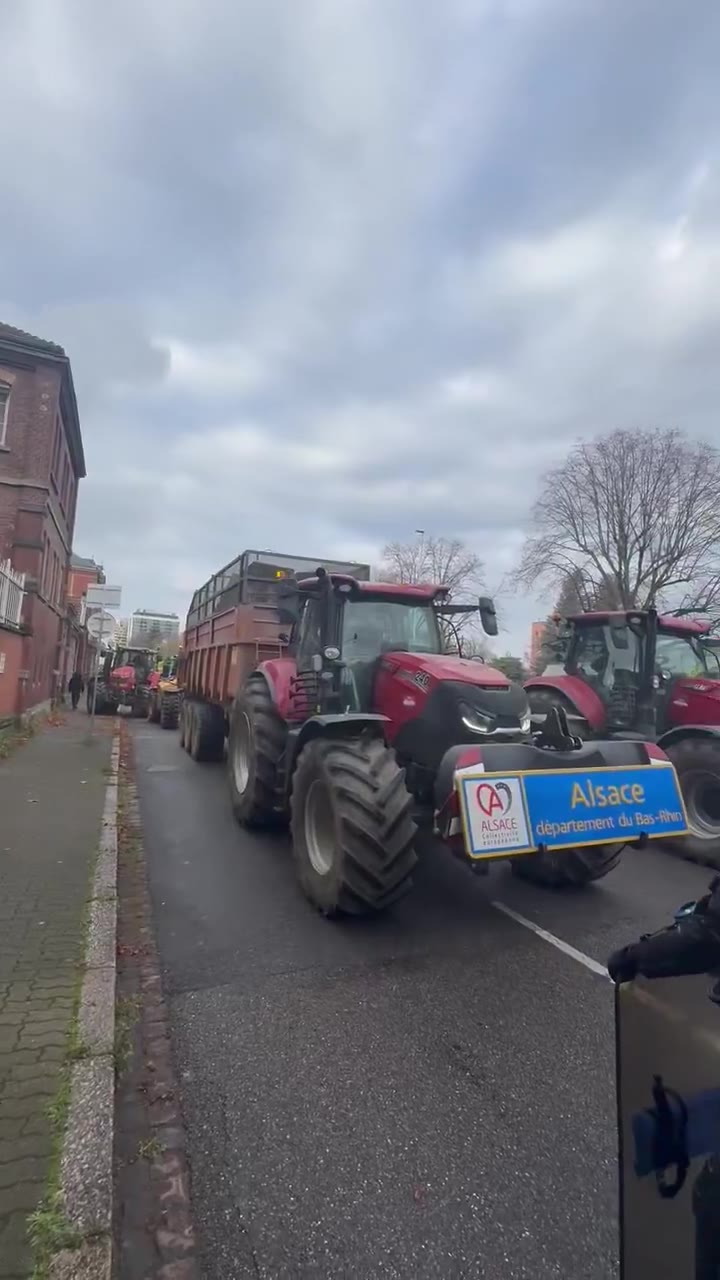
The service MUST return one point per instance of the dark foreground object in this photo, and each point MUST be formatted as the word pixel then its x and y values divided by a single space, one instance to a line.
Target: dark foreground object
pixel 668 1036
pixel 668 1069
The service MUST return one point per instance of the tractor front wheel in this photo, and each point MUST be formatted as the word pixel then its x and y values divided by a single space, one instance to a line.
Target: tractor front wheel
pixel 352 830
pixel 567 868
pixel 697 764
pixel 256 745
pixel 153 713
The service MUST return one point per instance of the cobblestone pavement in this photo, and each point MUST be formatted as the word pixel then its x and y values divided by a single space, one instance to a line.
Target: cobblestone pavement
pixel 51 803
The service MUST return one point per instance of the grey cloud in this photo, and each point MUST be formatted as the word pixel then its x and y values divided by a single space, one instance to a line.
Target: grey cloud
pixel 315 218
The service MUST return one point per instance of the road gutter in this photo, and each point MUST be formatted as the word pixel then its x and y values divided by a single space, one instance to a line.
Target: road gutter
pixel 86 1164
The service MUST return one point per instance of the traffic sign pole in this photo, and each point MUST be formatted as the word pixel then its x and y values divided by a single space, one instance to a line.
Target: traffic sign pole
pixel 100 625
pixel 93 700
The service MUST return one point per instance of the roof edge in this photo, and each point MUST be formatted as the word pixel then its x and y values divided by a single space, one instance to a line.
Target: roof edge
pixel 39 349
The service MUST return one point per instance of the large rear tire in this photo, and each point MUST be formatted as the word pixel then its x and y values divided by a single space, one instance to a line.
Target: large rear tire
pixel 697 764
pixel 256 745
pixel 185 724
pixel 190 713
pixel 207 741
pixel 352 829
pixel 568 868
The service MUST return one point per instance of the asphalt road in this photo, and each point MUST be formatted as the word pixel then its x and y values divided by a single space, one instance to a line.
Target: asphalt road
pixel 429 1094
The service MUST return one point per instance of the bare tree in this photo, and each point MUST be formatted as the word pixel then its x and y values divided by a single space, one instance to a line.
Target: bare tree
pixel 441 560
pixel 446 561
pixel 631 519
pixel 512 667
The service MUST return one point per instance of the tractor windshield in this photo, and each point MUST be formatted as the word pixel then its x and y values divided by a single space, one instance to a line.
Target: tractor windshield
pixel 601 651
pixel 606 656
pixel 681 655
pixel 372 627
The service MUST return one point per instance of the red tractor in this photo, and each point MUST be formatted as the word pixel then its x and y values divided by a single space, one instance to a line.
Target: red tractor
pixel 123 682
pixel 363 724
pixel 636 674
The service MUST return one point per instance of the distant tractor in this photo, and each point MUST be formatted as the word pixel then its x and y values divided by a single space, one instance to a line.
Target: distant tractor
pixel 123 682
pixel 164 696
pixel 626 674
pixel 343 713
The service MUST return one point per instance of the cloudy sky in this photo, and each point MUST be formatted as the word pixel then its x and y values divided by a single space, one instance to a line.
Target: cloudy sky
pixel 330 271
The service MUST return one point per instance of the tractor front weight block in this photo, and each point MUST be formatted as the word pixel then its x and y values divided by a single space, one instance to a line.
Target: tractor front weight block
pixel 560 817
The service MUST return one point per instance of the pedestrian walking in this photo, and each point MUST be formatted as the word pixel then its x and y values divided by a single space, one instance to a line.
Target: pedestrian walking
pixel 76 684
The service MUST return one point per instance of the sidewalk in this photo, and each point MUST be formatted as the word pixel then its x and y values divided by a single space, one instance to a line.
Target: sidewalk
pixel 52 793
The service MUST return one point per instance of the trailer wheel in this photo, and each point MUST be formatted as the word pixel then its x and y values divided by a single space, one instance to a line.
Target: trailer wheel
pixel 188 715
pixel 697 763
pixel 256 745
pixel 207 740
pixel 567 867
pixel 353 833
pixel 168 712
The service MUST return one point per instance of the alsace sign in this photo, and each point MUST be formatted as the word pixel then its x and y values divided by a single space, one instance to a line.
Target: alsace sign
pixel 505 814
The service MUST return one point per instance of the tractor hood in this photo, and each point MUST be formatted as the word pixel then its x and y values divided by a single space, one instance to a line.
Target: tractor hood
pixel 698 684
pixel 443 666
pixel 123 676
pixel 435 701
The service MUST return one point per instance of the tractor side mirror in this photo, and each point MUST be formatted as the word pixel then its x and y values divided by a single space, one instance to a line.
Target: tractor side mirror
pixel 488 616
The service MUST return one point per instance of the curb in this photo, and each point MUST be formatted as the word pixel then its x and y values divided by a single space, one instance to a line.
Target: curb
pixel 86 1163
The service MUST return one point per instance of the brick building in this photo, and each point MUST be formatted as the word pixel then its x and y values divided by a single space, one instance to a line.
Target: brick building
pixel 41 463
pixel 83 573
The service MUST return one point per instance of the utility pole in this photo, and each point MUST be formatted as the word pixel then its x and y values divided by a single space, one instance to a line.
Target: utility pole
pixel 421 554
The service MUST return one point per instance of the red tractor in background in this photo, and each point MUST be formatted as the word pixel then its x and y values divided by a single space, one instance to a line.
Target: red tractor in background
pixel 359 725
pixel 633 673
pixel 123 682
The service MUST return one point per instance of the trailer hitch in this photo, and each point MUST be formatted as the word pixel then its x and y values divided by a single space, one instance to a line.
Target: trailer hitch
pixel 555 734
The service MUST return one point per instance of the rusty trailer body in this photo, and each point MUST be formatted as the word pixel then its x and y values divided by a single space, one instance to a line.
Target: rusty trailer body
pixel 233 624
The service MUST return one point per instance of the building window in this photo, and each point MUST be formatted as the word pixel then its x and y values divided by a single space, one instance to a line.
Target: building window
pixel 4 402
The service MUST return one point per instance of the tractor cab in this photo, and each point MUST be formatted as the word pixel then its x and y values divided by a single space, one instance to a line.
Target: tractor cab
pixel 643 671
pixel 380 649
pixel 345 632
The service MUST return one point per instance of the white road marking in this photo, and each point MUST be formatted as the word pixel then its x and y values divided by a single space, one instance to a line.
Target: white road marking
pixel 593 965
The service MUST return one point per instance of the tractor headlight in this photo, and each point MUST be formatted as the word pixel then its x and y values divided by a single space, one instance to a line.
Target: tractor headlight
pixel 476 721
